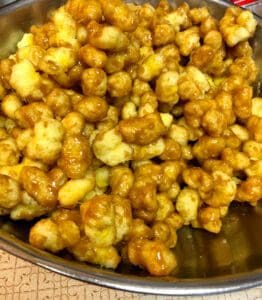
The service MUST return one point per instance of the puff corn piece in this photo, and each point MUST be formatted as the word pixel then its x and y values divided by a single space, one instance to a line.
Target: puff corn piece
pixel 94 109
pixel 74 190
pixel 119 84
pixel 6 66
pixel 10 192
pixel 165 233
pixel 93 57
pixel 52 236
pixel 211 165
pixel 9 152
pixel 38 185
pixel 224 190
pixel 118 13
pixel 28 115
pixel 121 180
pixel 75 156
pixel 140 230
pixel 106 219
pixel 237 25
pixel 110 148
pixel 57 60
pixel 15 170
pixel 166 87
pixel 59 102
pixel 85 250
pixel 152 255
pixel 84 11
pixel 142 130
pixel 148 104
pixel 149 151
pixel 257 107
pixel 151 66
pixel 178 18
pixel 45 143
pixel 253 150
pixel 210 219
pixel 198 179
pixel 250 190
pixel 208 147
pixel 188 40
pixel 106 37
pixel 94 82
pixel 27 209
pixel 246 67
pixel 30 86
pixel 255 169
pixel 254 126
pixel 64 29
pixel 192 84
pixel 143 199
pixel 73 123
pixel 10 104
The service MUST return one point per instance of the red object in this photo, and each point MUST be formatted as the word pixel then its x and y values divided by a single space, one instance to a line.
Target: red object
pixel 243 2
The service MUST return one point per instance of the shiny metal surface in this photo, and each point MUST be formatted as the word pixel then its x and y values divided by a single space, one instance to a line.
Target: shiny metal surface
pixel 208 263
pixel 6 2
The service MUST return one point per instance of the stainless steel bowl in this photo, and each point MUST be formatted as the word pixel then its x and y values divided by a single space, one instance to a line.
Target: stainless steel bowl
pixel 208 263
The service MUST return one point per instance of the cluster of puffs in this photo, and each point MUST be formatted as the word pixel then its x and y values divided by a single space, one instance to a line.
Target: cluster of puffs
pixel 121 123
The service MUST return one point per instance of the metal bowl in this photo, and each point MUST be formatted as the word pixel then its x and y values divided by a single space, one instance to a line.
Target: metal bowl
pixel 208 263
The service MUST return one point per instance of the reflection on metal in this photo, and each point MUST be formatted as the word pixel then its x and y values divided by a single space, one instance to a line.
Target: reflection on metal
pixel 207 263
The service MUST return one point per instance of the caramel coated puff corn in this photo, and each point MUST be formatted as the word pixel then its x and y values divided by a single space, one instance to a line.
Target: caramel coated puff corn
pixel 152 255
pixel 121 123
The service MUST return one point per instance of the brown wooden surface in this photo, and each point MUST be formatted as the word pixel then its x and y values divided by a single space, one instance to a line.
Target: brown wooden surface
pixel 20 280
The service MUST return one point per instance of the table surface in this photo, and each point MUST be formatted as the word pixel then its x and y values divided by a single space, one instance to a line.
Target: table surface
pixel 21 280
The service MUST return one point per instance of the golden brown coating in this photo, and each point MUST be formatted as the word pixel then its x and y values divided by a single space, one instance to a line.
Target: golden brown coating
pixel 84 11
pixel 121 180
pixel 85 250
pixel 76 156
pixel 209 218
pixel 44 143
pixel 172 150
pixel 73 123
pixel 52 236
pixel 93 57
pixel 142 130
pixel 250 190
pixel 10 104
pixel 28 115
pixel 94 109
pixel 119 84
pixel 38 185
pixel 254 126
pixel 140 230
pixel 59 102
pixel 143 199
pixel 106 37
pixel 198 179
pixel 10 192
pixel 208 147
pixel 9 152
pixel 119 14
pixel 107 219
pixel 237 26
pixel 152 255
pixel 94 82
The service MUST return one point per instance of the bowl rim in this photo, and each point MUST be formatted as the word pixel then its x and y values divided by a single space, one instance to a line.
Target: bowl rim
pixel 130 283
